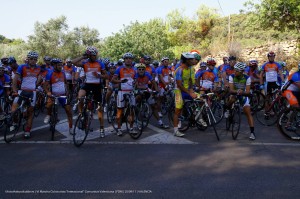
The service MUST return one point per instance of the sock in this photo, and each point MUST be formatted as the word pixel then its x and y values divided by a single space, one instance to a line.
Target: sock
pixel 101 127
pixel 252 129
pixel 175 129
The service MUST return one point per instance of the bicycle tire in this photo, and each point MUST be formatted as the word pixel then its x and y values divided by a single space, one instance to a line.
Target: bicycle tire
pixel 236 122
pixel 53 121
pixel 284 119
pixel 266 119
pixel 111 111
pixel 259 101
pixel 218 111
pixel 9 135
pixel 213 124
pixel 81 129
pixel 138 125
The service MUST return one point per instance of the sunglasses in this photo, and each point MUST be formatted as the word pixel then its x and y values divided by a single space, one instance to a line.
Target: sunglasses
pixel 35 59
pixel 141 69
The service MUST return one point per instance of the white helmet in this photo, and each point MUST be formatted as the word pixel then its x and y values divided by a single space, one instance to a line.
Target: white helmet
pixel 240 66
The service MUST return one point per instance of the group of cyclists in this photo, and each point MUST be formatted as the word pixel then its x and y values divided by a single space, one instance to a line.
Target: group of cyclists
pixel 102 77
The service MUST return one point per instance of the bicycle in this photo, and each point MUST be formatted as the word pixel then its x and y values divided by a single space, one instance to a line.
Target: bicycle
pixel 5 104
pixel 269 116
pixel 83 123
pixel 289 123
pixel 143 107
pixel 234 119
pixel 130 114
pixel 112 106
pixel 16 119
pixel 53 118
pixel 197 112
pixel 41 100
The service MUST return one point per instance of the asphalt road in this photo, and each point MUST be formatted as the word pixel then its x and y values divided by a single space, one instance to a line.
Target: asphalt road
pixel 158 165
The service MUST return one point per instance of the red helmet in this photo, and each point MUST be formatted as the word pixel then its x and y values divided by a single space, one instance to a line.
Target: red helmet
pixel 253 63
pixel 211 62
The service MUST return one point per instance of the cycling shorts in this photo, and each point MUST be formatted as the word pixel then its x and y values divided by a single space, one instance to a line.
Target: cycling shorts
pixel 95 88
pixel 120 99
pixel 28 94
pixel 270 86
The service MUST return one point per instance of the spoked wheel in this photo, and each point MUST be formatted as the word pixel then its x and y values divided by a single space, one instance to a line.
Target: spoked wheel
pixel 212 122
pixel 257 102
pixel 267 118
pixel 289 123
pixel 81 129
pixel 236 122
pixel 138 124
pixel 52 122
pixel 111 111
pixel 12 126
pixel 218 111
pixel 144 114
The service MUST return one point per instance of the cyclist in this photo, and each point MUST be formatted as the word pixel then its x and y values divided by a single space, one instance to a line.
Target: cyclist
pixel 47 64
pixel 239 84
pixel 228 70
pixel 291 90
pixel 285 73
pixel 69 70
pixel 270 69
pixel 4 88
pixel 4 61
pixel 56 83
pixel 220 67
pixel 94 71
pixel 185 80
pixel 110 86
pixel 28 73
pixel 207 80
pixel 124 76
pixel 12 63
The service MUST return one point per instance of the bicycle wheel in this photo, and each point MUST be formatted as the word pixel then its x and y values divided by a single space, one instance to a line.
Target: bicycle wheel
pixel 52 122
pixel 12 126
pixel 236 122
pixel 81 129
pixel 218 111
pixel 289 123
pixel 257 102
pixel 138 123
pixel 144 114
pixel 111 111
pixel 267 118
pixel 185 117
pixel 171 114
pixel 213 123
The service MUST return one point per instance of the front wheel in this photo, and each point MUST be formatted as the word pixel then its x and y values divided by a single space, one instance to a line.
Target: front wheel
pixel 138 123
pixel 235 122
pixel 289 123
pixel 81 129
pixel 52 122
pixel 13 123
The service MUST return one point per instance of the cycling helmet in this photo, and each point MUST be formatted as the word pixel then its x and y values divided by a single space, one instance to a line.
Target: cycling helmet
pixel 282 63
pixel 155 63
pixel 90 50
pixel 140 65
pixel 203 64
pixel 68 60
pixel 299 66
pixel 47 58
pixel 211 62
pixel 232 58
pixel 11 60
pixel 120 62
pixel 187 56
pixel 56 61
pixel 197 56
pixel 225 59
pixel 271 54
pixel 240 66
pixel 111 65
pixel 106 61
pixel 147 57
pixel 128 55
pixel 32 54
pixel 1 66
pixel 4 60
pixel 164 58
pixel 253 63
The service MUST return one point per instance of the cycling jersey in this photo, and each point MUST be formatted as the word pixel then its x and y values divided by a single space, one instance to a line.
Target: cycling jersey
pixel 271 69
pixel 165 72
pixel 69 70
pixel 240 82
pixel 126 73
pixel 207 79
pixel 57 81
pixel 4 80
pixel 285 74
pixel 295 78
pixel 143 81
pixel 219 69
pixel 186 75
pixel 228 70
pixel 29 76
pixel 293 92
pixel 150 70
pixel 91 67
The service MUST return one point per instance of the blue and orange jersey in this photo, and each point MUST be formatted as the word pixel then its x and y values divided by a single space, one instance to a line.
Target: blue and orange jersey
pixel 69 70
pixel 29 76
pixel 142 82
pixel 124 72
pixel 271 69
pixel 4 80
pixel 295 78
pixel 150 70
pixel 57 81
pixel 207 78
pixel 91 67
pixel 252 73
pixel 165 72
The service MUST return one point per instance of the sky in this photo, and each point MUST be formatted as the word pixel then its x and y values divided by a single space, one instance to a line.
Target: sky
pixel 19 16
